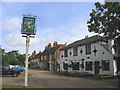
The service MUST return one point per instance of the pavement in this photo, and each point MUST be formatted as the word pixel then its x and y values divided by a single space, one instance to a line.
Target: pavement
pixel 49 79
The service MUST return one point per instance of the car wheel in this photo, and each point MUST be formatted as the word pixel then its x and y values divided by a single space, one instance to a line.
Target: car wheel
pixel 15 74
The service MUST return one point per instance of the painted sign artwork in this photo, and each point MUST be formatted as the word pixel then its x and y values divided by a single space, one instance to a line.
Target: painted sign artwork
pixel 28 26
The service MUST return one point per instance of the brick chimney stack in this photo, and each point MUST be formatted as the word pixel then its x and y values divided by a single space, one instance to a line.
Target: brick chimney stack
pixel 40 51
pixel 54 44
pixel 66 43
pixel 49 46
pixel 34 53
pixel 86 36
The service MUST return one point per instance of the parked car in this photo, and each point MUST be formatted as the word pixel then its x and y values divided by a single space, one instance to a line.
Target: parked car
pixel 19 68
pixel 11 66
pixel 7 71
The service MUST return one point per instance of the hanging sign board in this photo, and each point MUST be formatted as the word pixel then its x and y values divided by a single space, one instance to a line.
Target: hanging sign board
pixel 28 26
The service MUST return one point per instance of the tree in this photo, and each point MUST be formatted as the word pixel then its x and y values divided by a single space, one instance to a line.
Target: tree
pixel 21 58
pixel 3 51
pixel 13 57
pixel 5 60
pixel 105 19
pixel 14 61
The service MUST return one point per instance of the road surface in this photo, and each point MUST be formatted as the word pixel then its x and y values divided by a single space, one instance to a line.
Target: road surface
pixel 49 79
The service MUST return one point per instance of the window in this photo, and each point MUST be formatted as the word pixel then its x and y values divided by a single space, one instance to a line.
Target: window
pixel 88 48
pixel 105 65
pixel 75 65
pixel 88 65
pixel 41 57
pixel 75 51
pixel 65 66
pixel 66 53
pixel 45 57
pixel 50 56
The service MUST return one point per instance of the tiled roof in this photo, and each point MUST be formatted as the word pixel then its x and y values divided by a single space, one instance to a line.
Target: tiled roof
pixel 85 41
pixel 51 50
pixel 38 55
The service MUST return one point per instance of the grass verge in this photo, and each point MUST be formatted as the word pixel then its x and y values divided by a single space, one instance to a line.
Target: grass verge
pixel 16 86
pixel 11 86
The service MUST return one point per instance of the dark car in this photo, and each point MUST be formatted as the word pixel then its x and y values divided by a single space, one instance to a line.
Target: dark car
pixel 7 71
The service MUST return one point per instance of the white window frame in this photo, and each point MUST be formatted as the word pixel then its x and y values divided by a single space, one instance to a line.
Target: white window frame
pixel 41 57
pixel 45 57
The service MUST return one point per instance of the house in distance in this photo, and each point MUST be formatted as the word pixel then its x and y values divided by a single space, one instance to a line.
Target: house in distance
pixel 46 60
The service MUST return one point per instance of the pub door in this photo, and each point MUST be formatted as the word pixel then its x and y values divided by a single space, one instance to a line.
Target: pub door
pixel 97 68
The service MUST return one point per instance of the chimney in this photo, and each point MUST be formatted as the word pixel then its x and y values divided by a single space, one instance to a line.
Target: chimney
pixel 111 43
pixel 34 53
pixel 46 47
pixel 40 51
pixel 86 36
pixel 49 46
pixel 54 44
pixel 66 43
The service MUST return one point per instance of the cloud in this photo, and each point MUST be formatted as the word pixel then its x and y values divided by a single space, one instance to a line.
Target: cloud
pixel 34 41
pixel 11 24
pixel 16 39
pixel 77 33
pixel 49 38
pixel 79 29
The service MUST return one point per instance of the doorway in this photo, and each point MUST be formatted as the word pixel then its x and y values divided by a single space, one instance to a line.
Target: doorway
pixel 97 68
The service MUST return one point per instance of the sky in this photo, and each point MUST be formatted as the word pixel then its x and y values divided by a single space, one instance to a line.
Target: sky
pixel 56 21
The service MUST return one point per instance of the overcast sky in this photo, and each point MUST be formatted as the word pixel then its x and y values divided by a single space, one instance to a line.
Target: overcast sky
pixel 56 21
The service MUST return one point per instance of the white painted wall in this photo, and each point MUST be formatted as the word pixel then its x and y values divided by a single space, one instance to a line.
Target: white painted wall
pixel 99 57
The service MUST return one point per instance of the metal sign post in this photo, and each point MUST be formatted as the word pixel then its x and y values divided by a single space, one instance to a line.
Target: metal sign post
pixel 26 61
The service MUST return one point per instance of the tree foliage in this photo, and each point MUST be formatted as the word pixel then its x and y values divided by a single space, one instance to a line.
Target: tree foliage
pixel 105 19
pixel 12 58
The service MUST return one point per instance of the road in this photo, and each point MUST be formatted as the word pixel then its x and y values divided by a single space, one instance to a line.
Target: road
pixel 49 79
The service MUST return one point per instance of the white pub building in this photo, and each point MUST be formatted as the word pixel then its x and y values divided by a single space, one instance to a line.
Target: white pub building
pixel 93 55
